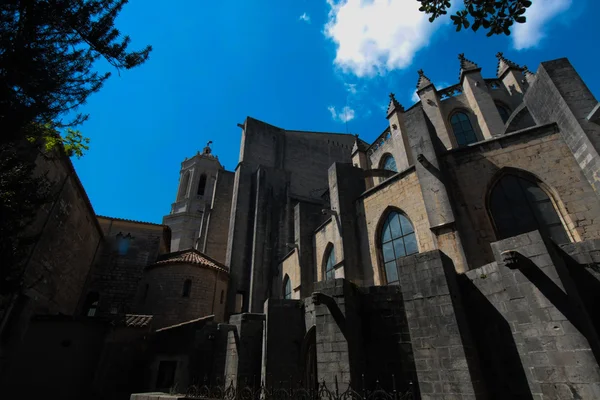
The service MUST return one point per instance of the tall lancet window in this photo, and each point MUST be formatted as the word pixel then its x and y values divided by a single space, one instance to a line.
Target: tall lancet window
pixel 202 185
pixel 518 205
pixel 330 264
pixel 463 130
pixel 287 287
pixel 183 186
pixel 397 240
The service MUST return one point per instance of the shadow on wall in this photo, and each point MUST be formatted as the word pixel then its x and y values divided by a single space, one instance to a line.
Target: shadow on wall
pixel 503 374
pixel 587 282
pixel 388 347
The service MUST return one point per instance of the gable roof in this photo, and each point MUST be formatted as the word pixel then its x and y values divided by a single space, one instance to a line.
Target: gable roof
pixel 189 256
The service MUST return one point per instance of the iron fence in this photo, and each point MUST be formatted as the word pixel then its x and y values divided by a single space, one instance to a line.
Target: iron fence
pixel 297 392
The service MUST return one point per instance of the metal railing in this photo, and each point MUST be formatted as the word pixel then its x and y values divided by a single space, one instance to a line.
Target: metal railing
pixel 298 392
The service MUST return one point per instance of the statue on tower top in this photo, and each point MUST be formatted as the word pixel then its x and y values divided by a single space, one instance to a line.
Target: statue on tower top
pixel 207 149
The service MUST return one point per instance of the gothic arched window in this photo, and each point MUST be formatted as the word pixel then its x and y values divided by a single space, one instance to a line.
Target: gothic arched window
pixel 518 205
pixel 330 264
pixel 389 163
pixel 183 186
pixel 187 288
pixel 287 287
pixel 503 111
pixel 397 240
pixel 462 128
pixel 202 185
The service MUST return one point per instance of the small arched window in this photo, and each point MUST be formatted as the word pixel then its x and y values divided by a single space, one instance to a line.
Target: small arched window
pixel 91 304
pixel 330 264
pixel 202 185
pixel 463 130
pixel 518 205
pixel 389 163
pixel 287 287
pixel 397 240
pixel 187 288
pixel 123 242
pixel 503 111
pixel 183 186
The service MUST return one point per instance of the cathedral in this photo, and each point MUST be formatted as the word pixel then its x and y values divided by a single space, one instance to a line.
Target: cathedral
pixel 456 256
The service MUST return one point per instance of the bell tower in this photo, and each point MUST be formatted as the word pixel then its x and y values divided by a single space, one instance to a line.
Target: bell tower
pixel 193 201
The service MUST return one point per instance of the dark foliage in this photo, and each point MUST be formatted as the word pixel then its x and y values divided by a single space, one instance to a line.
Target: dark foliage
pixel 496 16
pixel 48 54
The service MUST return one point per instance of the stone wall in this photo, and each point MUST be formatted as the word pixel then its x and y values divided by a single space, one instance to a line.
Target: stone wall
pixel 328 235
pixel 401 192
pixel 128 247
pixel 66 354
pixel 445 358
pixel 283 334
pixel 290 267
pixel 164 297
pixel 387 341
pixel 559 95
pixel 215 244
pixel 528 307
pixel 69 237
pixel 244 350
pixel 539 151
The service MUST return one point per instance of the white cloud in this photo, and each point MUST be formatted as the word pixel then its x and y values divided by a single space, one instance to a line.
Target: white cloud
pixel 305 17
pixel 351 88
pixel 347 114
pixel 532 32
pixel 376 36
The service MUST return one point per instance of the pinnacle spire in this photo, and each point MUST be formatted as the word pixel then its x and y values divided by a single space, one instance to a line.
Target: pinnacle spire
pixel 423 81
pixel 529 76
pixel 394 105
pixel 504 64
pixel 466 65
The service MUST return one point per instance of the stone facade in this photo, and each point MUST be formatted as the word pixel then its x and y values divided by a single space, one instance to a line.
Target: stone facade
pixel 463 318
pixel 468 269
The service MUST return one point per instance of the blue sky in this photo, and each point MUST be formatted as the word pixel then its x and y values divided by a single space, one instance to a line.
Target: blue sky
pixel 321 65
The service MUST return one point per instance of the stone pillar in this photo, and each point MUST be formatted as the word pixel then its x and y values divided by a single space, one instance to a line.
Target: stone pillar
pixel 338 334
pixel 512 77
pixel 283 332
pixel 402 153
pixel 221 350
pixel 236 257
pixel 430 101
pixel 552 335
pixel 346 183
pixel 360 160
pixel 244 349
pixel 307 218
pixel 269 237
pixel 445 359
pixel 432 182
pixel 559 95
pixel 479 98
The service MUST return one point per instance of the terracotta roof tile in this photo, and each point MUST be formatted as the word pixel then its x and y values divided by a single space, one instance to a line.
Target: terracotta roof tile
pixel 137 321
pixel 189 256
pixel 130 220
